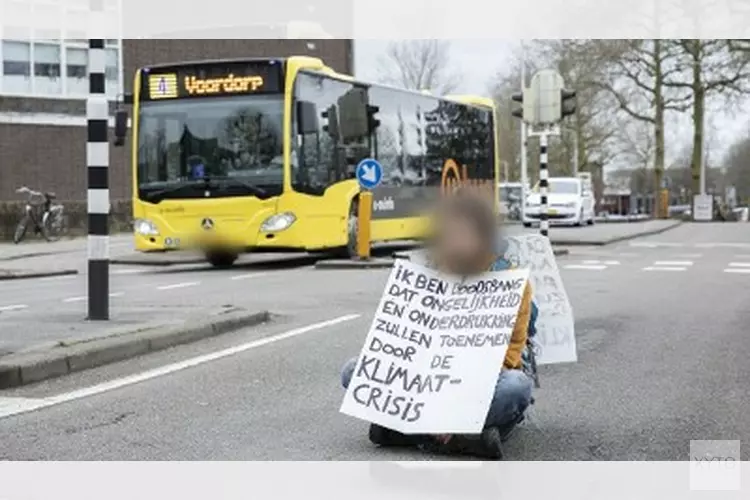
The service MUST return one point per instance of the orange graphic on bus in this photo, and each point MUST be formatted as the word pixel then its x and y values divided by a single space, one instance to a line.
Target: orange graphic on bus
pixel 452 176
pixel 455 176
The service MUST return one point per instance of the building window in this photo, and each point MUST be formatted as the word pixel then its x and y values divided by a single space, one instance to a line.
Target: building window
pixel 47 75
pixel 52 68
pixel 16 67
pixel 76 65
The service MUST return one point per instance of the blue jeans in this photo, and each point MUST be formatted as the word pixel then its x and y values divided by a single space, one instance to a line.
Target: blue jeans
pixel 512 395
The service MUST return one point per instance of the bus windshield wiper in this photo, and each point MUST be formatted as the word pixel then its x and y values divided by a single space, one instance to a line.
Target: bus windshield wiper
pixel 257 191
pixel 154 195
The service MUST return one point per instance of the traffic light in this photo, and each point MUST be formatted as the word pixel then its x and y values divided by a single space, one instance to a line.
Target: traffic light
pixel 332 119
pixel 567 103
pixel 528 111
pixel 518 112
pixel 372 121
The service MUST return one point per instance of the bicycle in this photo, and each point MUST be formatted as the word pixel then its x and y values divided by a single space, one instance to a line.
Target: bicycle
pixel 48 219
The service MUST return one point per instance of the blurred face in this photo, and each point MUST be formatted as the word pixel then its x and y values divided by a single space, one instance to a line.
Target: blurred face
pixel 459 247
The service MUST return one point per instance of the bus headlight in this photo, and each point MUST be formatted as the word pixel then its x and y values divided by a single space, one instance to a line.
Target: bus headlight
pixel 145 227
pixel 278 222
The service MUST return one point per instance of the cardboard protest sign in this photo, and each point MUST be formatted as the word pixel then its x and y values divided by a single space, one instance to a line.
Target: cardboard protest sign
pixel 555 326
pixel 435 348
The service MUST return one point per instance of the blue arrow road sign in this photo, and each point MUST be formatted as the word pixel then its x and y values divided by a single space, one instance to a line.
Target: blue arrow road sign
pixel 369 173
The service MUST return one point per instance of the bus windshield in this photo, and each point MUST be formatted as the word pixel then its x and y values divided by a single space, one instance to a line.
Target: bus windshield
pixel 231 146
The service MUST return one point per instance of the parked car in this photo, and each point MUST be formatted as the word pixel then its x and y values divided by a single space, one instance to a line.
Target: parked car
pixel 570 202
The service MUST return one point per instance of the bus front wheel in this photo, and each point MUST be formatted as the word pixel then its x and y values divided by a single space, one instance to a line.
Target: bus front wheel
pixel 221 260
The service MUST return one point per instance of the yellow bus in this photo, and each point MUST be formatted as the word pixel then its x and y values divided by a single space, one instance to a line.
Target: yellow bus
pixel 260 155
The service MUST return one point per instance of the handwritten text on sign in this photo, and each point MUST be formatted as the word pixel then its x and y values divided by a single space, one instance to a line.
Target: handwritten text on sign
pixel 555 326
pixel 434 350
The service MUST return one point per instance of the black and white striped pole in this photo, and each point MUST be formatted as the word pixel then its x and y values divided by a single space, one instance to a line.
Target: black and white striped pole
pixel 97 160
pixel 543 185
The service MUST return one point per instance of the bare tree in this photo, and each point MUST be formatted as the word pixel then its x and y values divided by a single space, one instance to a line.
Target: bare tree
pixel 507 126
pixel 419 65
pixel 637 144
pixel 636 79
pixel 711 67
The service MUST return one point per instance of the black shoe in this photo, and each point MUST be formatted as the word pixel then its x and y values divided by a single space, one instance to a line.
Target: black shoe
pixel 487 445
pixel 382 436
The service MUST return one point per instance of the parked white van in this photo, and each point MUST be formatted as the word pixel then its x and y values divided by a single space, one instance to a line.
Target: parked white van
pixel 570 201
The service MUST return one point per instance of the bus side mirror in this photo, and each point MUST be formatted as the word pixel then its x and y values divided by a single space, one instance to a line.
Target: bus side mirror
pixel 307 117
pixel 121 127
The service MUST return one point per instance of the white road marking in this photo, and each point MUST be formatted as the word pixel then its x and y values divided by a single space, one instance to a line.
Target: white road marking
pixel 81 298
pixel 59 278
pixel 739 264
pixel 737 270
pixel 16 307
pixel 129 271
pixel 18 405
pixel 586 267
pixel 656 244
pixel 659 268
pixel 600 262
pixel 246 276
pixel 673 263
pixel 722 245
pixel 179 285
pixel 112 385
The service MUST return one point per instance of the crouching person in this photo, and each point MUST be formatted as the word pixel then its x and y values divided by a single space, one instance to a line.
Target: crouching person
pixel 466 234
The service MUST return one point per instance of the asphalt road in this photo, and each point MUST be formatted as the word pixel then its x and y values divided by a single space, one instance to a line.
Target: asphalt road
pixel 663 348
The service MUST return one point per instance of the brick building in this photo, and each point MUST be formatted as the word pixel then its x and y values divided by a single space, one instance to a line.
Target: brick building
pixel 43 85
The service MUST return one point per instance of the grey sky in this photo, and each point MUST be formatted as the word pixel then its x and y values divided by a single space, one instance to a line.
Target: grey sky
pixel 481 60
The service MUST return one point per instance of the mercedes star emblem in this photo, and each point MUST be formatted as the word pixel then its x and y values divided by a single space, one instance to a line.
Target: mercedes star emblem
pixel 207 224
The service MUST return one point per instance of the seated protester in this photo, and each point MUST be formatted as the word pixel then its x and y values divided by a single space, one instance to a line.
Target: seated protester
pixel 466 244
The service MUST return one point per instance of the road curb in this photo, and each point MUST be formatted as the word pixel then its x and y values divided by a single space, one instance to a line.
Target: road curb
pixel 140 261
pixel 24 275
pixel 618 239
pixel 30 367
pixel 355 264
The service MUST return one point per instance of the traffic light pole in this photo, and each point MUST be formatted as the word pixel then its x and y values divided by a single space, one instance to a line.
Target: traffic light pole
pixel 544 104
pixel 544 133
pixel 97 160
pixel 543 185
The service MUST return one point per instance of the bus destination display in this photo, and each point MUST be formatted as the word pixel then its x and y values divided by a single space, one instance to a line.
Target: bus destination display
pixel 212 80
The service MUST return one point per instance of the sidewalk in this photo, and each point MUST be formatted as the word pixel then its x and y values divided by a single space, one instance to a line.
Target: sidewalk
pixel 35 348
pixel 38 259
pixel 37 247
